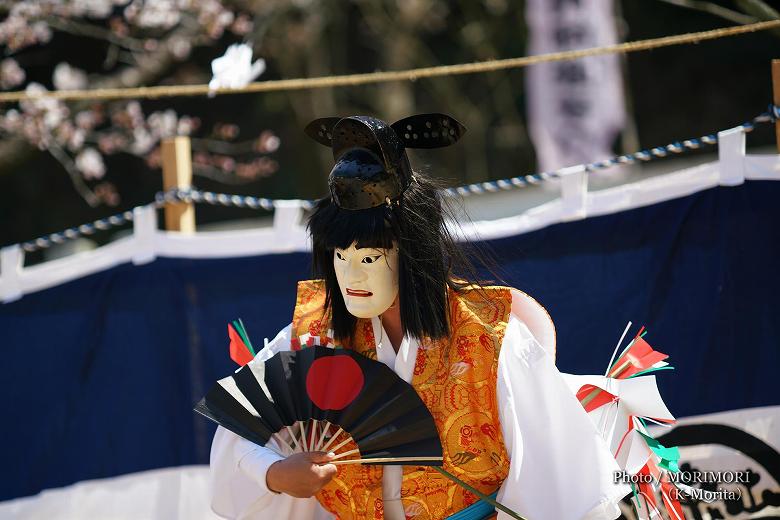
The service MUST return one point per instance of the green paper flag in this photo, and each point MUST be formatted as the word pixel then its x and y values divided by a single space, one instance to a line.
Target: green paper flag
pixel 668 456
pixel 239 326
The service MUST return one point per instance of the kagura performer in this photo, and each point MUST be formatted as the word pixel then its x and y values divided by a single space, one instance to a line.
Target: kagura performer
pixel 392 286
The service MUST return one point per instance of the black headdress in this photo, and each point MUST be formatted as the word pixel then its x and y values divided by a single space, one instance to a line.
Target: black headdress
pixel 371 164
pixel 375 204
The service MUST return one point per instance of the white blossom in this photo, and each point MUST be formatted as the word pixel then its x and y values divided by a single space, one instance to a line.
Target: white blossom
pixel 77 138
pixel 86 119
pixel 90 163
pixel 16 33
pixel 11 74
pixel 163 124
pixel 135 112
pixel 162 14
pixel 235 69
pixel 185 126
pixel 83 139
pixel 66 77
pixel 180 47
pixel 50 111
pixel 271 144
pixel 142 142
pixel 96 8
pixel 41 32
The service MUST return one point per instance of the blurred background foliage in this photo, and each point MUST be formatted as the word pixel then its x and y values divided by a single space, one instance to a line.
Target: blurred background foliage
pixel 254 144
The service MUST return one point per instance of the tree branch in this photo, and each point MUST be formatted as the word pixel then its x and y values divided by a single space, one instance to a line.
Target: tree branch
pixel 223 147
pixel 93 31
pixel 761 10
pixel 150 68
pixel 714 9
pixel 75 175
pixel 215 174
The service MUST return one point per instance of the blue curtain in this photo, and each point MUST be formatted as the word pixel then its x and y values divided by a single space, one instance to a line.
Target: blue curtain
pixel 100 374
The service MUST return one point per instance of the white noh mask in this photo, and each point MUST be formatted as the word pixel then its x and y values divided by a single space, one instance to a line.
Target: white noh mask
pixel 368 279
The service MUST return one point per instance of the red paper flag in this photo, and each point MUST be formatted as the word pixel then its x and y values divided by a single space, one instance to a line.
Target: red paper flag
pixel 640 356
pixel 239 352
pixel 592 397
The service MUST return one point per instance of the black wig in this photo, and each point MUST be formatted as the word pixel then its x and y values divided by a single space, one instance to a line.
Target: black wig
pixel 429 259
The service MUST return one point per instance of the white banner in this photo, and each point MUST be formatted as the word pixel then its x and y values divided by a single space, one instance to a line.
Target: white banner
pixel 731 460
pixel 575 108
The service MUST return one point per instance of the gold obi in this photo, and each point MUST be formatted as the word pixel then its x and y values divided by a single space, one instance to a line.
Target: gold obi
pixel 456 379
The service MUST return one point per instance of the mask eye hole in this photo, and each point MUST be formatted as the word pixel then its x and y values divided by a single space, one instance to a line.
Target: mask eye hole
pixel 339 256
pixel 371 259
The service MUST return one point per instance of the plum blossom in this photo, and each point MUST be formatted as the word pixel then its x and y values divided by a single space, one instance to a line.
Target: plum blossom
pixel 142 142
pixel 186 125
pixel 90 163
pixel 267 142
pixel 96 8
pixel 17 33
pixel 11 74
pixel 80 139
pixel 180 47
pixel 106 192
pixel 12 122
pixel 50 112
pixel 66 77
pixel 87 119
pixel 163 124
pixel 161 13
pixel 235 69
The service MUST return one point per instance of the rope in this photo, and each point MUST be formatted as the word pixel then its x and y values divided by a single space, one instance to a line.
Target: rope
pixel 676 147
pixel 243 201
pixel 401 75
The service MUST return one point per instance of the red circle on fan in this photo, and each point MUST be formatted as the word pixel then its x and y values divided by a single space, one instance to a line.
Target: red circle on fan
pixel 334 381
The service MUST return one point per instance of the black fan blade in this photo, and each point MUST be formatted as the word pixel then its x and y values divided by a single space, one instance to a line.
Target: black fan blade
pixel 277 373
pixel 227 422
pixel 415 426
pixel 303 360
pixel 420 453
pixel 391 404
pixel 221 407
pixel 253 390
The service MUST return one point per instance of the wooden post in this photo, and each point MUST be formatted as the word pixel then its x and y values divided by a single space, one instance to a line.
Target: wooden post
pixel 177 173
pixel 776 97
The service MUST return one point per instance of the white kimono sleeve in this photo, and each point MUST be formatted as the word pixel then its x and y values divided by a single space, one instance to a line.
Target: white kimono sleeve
pixel 238 468
pixel 560 468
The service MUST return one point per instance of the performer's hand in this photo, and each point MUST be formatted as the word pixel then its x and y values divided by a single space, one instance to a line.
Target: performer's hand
pixel 301 475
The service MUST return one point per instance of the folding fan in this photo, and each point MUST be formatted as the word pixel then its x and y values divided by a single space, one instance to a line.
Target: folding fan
pixel 328 399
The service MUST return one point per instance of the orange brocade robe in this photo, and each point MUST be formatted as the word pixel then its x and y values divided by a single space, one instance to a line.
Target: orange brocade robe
pixel 456 379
